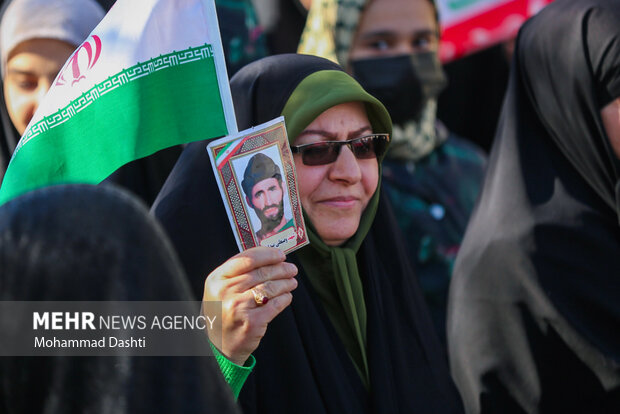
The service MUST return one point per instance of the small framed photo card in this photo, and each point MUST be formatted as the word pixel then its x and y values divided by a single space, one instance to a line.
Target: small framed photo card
pixel 256 176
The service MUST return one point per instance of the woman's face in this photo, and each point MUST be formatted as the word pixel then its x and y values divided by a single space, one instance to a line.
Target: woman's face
pixel 31 68
pixel 395 27
pixel 335 195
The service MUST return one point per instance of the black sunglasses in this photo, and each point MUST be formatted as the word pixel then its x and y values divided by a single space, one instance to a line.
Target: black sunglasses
pixel 326 152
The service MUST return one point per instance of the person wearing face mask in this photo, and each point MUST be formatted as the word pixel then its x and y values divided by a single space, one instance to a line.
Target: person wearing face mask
pixel 36 39
pixel 431 176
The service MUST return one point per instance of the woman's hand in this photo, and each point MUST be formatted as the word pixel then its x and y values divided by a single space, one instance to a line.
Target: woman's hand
pixel 244 321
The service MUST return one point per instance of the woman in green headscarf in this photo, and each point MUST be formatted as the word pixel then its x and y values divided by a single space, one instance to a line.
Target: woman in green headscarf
pixel 351 334
pixel 431 176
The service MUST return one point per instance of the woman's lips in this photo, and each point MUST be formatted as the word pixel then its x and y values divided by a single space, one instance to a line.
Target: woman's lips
pixel 340 202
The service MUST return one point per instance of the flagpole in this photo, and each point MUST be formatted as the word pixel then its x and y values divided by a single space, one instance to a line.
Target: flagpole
pixel 220 67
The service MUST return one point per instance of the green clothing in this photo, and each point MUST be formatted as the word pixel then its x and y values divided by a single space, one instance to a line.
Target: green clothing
pixel 235 375
pixel 335 276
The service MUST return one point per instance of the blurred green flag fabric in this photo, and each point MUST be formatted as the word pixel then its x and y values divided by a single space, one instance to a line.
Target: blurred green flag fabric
pixel 151 75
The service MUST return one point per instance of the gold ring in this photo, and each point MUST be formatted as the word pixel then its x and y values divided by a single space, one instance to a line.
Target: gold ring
pixel 260 297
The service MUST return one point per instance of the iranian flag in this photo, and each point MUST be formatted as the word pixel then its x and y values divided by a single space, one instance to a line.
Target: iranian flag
pixel 151 75
pixel 471 25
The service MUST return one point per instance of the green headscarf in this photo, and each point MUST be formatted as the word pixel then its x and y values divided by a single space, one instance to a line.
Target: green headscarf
pixel 333 271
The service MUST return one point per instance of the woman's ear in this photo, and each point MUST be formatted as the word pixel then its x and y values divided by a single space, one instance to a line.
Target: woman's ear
pixel 611 119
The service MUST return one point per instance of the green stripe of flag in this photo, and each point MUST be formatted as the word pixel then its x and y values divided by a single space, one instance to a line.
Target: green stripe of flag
pixel 176 104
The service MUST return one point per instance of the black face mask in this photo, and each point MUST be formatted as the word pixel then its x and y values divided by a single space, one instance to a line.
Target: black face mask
pixel 402 83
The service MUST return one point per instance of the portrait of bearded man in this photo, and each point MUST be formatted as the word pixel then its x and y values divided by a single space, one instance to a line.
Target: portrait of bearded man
pixel 264 193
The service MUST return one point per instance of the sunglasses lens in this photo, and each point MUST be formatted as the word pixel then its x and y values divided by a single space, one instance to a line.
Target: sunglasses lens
pixel 320 154
pixel 372 146
pixel 364 148
pixel 380 144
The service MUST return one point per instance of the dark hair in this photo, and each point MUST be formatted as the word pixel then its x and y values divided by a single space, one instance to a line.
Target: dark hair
pixel 96 243
pixel 79 232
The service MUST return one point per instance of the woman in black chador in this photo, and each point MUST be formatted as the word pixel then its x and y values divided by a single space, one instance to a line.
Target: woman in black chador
pixel 534 309
pixel 354 336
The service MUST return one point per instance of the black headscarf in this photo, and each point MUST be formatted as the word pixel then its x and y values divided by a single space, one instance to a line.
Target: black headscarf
pixel 302 365
pixel 283 22
pixel 88 243
pixel 535 302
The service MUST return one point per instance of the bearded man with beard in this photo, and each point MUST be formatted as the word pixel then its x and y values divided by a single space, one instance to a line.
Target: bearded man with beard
pixel 262 184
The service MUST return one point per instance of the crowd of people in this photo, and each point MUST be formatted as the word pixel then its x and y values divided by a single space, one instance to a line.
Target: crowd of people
pixel 438 278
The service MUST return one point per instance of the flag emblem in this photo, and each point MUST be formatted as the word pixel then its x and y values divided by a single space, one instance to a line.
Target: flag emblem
pixel 82 60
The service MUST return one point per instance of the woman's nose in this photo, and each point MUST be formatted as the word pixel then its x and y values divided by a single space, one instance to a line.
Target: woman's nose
pixel 403 47
pixel 346 167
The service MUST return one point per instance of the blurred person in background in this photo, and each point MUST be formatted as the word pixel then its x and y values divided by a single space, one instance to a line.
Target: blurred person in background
pixel 94 244
pixel 482 78
pixel 534 304
pixel 283 22
pixel 431 176
pixel 243 37
pixel 36 39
